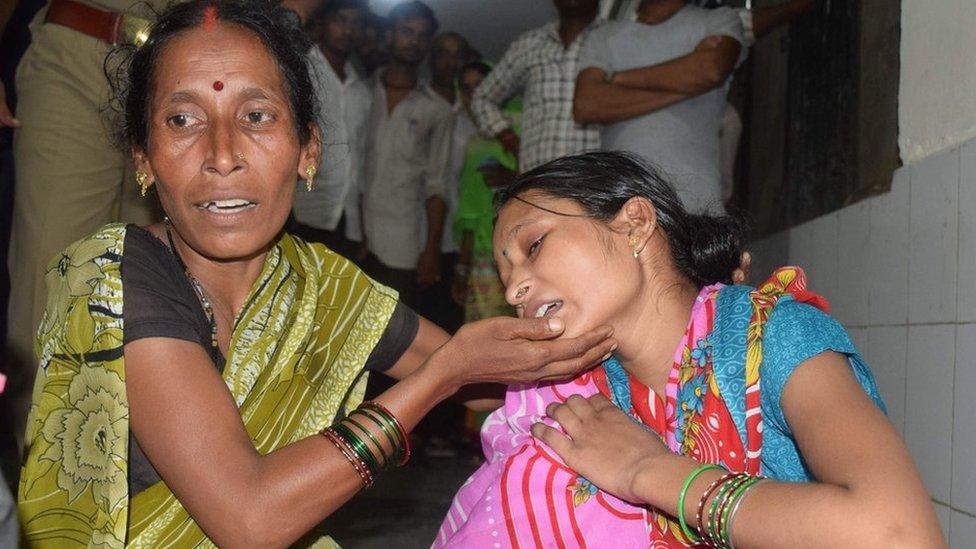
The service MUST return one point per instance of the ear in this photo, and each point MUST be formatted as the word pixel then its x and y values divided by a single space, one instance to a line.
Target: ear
pixel 140 161
pixel 637 220
pixel 311 151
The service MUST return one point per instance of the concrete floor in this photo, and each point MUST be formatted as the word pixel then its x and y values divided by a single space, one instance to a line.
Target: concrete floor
pixel 404 509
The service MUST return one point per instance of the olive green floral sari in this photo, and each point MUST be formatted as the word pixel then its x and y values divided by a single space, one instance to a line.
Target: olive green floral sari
pixel 295 362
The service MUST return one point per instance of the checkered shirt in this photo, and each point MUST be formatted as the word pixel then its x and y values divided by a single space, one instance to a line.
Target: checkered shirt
pixel 537 66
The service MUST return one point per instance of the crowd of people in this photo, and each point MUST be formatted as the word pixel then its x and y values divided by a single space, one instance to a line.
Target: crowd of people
pixel 313 190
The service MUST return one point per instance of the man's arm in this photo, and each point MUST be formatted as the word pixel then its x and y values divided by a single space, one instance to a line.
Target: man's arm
pixel 504 81
pixel 601 102
pixel 765 20
pixel 435 178
pixel 695 73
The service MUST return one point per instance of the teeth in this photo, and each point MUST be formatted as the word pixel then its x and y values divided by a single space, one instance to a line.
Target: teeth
pixel 229 205
pixel 545 308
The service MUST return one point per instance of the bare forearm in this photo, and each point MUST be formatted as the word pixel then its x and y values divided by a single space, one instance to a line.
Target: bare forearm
pixel 604 103
pixel 765 20
pixel 436 210
pixel 818 514
pixel 294 488
pixel 691 74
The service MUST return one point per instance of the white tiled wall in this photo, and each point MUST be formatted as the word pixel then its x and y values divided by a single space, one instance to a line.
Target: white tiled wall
pixel 900 272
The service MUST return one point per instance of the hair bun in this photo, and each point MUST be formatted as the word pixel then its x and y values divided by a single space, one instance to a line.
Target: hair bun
pixel 714 247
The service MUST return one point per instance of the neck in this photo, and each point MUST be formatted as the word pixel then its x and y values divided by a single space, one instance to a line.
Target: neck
pixel 400 75
pixel 571 26
pixel 336 59
pixel 226 283
pixel 666 312
pixel 656 12
pixel 445 91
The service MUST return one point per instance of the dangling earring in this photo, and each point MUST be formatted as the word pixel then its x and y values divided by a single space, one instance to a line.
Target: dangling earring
pixel 633 240
pixel 142 179
pixel 310 172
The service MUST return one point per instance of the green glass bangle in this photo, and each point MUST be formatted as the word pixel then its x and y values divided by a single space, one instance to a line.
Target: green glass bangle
pixel 368 433
pixel 385 429
pixel 358 446
pixel 684 492
pixel 388 429
pixel 723 492
pixel 733 500
pixel 395 424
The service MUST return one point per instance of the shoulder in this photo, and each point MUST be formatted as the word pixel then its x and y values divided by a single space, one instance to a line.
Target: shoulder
pixel 532 38
pixel 798 331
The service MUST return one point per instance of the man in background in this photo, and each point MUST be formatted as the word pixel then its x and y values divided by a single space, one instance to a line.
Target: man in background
pixel 658 87
pixel 541 65
pixel 406 159
pixel 329 212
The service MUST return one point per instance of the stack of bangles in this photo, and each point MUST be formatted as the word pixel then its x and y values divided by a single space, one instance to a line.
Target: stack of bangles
pixel 358 442
pixel 714 527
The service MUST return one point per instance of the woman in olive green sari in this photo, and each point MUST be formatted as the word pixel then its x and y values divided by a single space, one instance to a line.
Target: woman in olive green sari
pixel 187 368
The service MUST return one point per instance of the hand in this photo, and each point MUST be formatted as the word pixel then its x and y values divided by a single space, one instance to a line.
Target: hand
pixel 429 268
pixel 497 176
pixel 7 119
pixel 510 141
pixel 459 289
pixel 602 444
pixel 740 275
pixel 518 350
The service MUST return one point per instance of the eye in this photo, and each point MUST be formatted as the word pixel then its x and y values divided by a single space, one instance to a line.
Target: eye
pixel 534 247
pixel 258 118
pixel 182 120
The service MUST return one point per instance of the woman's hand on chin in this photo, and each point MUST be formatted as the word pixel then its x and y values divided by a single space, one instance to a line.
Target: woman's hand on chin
pixel 602 444
pixel 516 350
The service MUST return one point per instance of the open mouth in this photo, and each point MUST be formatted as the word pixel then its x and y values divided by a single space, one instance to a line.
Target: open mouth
pixel 549 308
pixel 227 206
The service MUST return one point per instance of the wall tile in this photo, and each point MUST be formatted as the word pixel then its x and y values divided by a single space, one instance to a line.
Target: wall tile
pixel 945 518
pixel 928 404
pixel 813 246
pixel 963 531
pixel 850 307
pixel 934 238
pixel 886 354
pixel 888 253
pixel 964 421
pixel 767 254
pixel 967 233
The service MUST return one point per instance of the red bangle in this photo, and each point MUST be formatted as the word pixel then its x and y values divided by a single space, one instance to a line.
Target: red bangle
pixel 699 515
pixel 343 447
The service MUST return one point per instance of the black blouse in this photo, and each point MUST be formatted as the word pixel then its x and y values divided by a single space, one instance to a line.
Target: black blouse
pixel 158 301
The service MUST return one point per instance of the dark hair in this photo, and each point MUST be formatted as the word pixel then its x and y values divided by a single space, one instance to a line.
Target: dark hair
pixel 376 21
pixel 131 71
pixel 480 67
pixel 331 6
pixel 411 9
pixel 706 249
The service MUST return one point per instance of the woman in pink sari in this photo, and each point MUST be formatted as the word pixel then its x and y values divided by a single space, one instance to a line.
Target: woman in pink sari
pixel 728 415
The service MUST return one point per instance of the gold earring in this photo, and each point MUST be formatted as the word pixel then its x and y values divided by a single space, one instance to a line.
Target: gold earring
pixel 634 241
pixel 142 179
pixel 310 172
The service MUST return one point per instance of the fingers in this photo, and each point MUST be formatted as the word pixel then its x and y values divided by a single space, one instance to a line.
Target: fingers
pixel 564 414
pixel 7 118
pixel 559 442
pixel 599 402
pixel 532 328
pixel 569 361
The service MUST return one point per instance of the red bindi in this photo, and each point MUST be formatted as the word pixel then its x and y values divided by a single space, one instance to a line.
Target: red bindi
pixel 209 18
pixel 218 85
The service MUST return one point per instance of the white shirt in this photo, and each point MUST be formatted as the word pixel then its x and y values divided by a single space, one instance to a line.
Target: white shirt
pixel 344 108
pixel 406 163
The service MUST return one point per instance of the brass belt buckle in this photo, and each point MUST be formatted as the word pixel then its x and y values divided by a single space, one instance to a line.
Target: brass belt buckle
pixel 134 30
